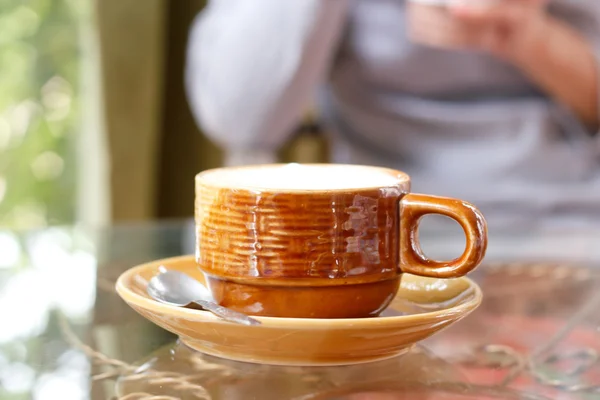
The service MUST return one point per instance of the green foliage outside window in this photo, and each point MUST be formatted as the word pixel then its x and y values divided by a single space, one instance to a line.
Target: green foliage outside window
pixel 40 53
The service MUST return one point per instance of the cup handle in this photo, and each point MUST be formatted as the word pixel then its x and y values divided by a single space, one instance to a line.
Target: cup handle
pixel 413 261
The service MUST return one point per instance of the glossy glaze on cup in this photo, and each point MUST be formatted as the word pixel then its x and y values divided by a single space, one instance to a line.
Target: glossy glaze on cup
pixel 319 253
pixel 422 307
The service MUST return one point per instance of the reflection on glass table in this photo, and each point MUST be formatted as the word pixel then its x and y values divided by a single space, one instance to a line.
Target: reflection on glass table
pixel 64 333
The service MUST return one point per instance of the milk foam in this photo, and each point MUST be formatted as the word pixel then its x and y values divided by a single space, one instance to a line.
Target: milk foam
pixel 292 177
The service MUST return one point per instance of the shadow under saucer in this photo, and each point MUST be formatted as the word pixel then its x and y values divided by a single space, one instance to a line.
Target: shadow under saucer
pixel 176 371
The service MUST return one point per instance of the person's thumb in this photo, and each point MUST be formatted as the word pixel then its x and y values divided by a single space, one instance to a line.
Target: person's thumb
pixel 506 12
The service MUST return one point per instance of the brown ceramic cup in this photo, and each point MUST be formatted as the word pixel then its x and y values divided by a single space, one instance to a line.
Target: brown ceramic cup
pixel 430 22
pixel 319 240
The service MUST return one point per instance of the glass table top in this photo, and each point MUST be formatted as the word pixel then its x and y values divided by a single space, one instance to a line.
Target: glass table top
pixel 65 334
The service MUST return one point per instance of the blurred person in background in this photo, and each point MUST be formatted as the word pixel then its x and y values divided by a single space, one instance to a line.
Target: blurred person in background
pixel 507 121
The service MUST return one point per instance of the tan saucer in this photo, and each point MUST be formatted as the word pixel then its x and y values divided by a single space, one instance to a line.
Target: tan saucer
pixel 422 307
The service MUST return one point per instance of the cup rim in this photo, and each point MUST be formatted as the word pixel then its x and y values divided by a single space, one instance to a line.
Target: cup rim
pixel 402 178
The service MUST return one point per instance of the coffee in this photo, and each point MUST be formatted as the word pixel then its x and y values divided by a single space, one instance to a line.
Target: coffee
pixel 299 177
pixel 321 241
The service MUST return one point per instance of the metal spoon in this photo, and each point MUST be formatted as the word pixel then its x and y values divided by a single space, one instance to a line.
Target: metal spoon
pixel 178 289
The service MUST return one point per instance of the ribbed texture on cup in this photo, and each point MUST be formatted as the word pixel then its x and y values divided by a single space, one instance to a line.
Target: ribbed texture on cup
pixel 351 235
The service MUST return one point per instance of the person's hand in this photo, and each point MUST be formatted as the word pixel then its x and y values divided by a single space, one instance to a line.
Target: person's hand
pixel 508 28
pixel 524 34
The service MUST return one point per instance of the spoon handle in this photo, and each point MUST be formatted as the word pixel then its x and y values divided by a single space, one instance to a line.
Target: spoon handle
pixel 226 313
